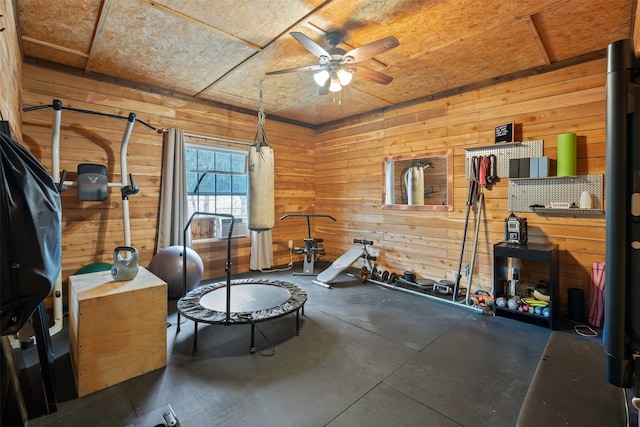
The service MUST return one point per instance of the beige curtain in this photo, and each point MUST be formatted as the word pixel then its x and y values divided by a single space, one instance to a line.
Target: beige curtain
pixel 261 250
pixel 174 212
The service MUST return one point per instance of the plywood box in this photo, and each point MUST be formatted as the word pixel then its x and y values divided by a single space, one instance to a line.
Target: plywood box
pixel 117 330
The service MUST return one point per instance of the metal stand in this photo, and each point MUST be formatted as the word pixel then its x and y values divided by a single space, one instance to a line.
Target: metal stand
pixel 227 267
pixel 45 356
pixel 46 359
pixel 7 351
pixel 311 249
pixel 252 345
pixel 127 188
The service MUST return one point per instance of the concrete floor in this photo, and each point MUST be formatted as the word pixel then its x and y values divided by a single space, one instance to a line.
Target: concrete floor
pixel 367 355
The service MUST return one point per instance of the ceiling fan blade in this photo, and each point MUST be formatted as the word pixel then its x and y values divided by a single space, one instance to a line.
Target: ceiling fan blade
pixel 310 45
pixel 372 75
pixel 294 70
pixel 370 50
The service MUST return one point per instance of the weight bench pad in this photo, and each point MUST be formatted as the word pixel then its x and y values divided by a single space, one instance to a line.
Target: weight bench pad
pixel 339 265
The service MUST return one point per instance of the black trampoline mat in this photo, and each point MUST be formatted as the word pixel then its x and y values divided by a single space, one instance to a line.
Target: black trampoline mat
pixel 251 300
pixel 245 297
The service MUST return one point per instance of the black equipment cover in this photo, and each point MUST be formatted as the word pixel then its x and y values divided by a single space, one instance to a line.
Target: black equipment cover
pixel 30 230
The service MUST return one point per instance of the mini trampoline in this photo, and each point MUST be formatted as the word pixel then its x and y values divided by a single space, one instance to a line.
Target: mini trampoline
pixel 236 302
pixel 250 301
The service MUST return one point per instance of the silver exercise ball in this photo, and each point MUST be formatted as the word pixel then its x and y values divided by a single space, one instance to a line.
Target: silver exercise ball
pixel 167 265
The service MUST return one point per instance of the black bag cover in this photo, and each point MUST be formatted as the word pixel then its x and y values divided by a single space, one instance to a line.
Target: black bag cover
pixel 30 232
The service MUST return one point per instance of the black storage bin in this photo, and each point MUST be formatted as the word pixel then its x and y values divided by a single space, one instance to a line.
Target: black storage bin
pixel 576 305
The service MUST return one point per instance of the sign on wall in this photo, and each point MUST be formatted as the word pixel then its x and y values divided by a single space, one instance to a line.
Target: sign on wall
pixel 504 133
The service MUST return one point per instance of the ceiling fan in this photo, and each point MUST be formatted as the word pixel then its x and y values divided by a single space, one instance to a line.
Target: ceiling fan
pixel 336 66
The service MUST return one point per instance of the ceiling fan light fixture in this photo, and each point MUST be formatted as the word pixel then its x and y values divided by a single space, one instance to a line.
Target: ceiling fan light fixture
pixel 335 70
pixel 335 85
pixel 321 77
pixel 344 76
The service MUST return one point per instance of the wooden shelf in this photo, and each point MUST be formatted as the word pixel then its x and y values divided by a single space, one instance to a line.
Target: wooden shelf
pixel 568 211
pixel 500 145
pixel 533 178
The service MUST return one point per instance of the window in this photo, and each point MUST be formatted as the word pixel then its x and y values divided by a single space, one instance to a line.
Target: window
pixel 216 183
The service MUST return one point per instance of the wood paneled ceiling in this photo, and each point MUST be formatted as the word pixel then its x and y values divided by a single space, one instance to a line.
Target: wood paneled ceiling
pixel 220 50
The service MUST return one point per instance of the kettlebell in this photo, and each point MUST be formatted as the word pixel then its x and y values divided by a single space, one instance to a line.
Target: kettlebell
pixel 409 276
pixel 124 268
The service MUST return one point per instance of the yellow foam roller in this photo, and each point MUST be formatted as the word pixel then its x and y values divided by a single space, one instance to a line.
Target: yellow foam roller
pixel 567 154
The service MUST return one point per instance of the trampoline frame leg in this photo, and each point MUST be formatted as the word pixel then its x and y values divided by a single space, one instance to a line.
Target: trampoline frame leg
pixel 298 322
pixel 252 347
pixel 195 337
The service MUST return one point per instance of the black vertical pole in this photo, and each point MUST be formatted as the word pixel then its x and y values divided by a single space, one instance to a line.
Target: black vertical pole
pixel 227 268
pixel 473 185
pixel 45 356
pixel 620 67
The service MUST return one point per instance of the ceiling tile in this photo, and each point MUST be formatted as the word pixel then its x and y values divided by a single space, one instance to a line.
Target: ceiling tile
pixel 145 44
pixel 330 107
pixel 48 22
pixel 511 48
pixel 258 21
pixel 570 28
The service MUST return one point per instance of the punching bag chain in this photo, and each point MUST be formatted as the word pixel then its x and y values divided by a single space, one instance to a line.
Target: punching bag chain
pixel 261 135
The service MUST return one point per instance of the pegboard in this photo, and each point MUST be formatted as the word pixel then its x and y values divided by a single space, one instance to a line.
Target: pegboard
pixel 525 192
pixel 503 153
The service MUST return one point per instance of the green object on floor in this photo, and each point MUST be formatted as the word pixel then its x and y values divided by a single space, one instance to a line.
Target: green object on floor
pixel 94 268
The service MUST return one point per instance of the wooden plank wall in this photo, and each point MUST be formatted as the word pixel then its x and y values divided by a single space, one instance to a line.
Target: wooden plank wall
pixel 11 66
pixel 340 176
pixel 349 175
pixel 92 230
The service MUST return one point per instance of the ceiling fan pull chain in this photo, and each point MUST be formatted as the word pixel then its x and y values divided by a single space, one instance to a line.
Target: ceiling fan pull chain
pixel 261 136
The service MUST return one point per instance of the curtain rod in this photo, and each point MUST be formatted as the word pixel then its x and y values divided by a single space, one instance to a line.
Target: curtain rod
pixel 212 138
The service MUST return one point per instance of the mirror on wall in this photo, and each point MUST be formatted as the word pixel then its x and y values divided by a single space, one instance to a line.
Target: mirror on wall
pixel 419 181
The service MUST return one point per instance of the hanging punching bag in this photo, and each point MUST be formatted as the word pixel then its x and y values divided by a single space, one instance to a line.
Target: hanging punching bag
pixel 261 206
pixel 414 183
pixel 261 187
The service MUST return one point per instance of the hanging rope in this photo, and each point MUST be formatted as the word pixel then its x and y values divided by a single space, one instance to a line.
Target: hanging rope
pixel 261 136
